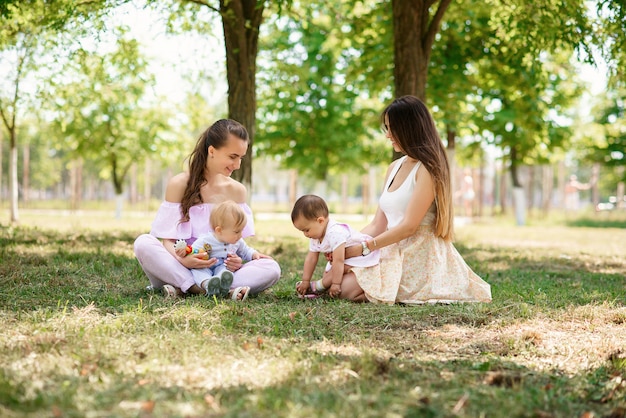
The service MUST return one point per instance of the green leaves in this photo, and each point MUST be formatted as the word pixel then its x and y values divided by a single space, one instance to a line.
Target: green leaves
pixel 105 111
pixel 312 116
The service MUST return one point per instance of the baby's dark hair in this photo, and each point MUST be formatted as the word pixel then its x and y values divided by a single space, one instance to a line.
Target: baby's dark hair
pixel 310 207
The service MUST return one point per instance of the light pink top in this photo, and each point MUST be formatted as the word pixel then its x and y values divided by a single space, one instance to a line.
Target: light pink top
pixel 337 234
pixel 167 222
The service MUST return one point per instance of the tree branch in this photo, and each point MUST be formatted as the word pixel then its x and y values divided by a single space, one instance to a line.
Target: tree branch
pixel 433 27
pixel 203 3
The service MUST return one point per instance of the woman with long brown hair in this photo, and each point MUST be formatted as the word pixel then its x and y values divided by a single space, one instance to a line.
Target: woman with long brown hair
pixel 184 214
pixel 413 225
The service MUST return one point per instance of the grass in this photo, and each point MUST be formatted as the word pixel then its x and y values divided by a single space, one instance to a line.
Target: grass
pixel 82 338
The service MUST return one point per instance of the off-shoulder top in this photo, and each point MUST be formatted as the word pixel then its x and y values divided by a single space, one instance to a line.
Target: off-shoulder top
pixel 167 224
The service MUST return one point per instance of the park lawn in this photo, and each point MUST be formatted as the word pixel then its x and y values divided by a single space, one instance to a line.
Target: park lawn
pixel 81 337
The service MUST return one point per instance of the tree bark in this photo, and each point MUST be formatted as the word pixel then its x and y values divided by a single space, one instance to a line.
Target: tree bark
pixel 25 173
pixel 241 20
pixel 414 32
pixel 15 217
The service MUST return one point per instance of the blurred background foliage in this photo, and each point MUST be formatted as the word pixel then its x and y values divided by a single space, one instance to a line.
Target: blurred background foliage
pixel 103 99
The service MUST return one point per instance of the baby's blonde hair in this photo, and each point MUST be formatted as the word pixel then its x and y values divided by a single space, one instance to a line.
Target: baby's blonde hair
pixel 228 214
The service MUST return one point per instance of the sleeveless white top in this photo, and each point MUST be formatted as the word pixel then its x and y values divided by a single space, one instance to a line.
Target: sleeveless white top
pixel 394 204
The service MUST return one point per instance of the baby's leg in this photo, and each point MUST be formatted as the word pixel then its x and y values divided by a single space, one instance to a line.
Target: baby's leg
pixel 327 278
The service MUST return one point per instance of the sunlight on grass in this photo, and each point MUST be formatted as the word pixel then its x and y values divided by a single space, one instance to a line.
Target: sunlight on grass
pixel 82 336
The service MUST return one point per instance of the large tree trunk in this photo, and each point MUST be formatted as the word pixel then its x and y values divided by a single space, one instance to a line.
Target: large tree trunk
pixel 241 20
pixel 413 35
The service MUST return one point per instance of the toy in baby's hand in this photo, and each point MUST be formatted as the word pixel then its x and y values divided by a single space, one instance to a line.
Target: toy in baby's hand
pixel 183 250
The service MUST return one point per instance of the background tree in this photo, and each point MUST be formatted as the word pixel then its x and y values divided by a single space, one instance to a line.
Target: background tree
pixel 17 58
pixel 313 118
pixel 241 22
pixel 27 31
pixel 110 123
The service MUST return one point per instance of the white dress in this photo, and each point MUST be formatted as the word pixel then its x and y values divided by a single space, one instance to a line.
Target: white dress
pixel 422 268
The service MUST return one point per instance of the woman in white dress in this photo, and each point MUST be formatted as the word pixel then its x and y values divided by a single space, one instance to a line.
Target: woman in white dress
pixel 413 225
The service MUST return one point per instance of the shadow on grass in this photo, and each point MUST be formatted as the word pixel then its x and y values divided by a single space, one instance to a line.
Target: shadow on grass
pixel 359 385
pixel 49 272
pixel 45 270
pixel 365 385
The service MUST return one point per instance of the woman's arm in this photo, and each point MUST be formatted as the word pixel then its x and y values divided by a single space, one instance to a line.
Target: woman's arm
pixel 422 197
pixel 192 261
pixel 377 226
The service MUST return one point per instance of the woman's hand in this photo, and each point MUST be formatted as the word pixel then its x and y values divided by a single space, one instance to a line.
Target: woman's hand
pixel 233 262
pixel 197 261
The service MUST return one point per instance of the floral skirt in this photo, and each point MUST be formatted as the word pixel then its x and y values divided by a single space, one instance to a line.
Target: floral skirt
pixel 422 269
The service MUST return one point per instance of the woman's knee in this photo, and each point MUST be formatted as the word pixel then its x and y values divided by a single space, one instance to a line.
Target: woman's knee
pixel 143 243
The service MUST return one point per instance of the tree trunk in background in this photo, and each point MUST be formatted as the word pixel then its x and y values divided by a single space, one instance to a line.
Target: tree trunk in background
pixel 133 184
pixel 530 195
pixel 73 198
pixel 366 192
pixel 13 186
pixel 414 32
pixel 547 180
pixel 25 173
pixel 119 205
pixel 562 179
pixel 519 204
pixel 76 184
pixel 480 190
pixel 241 20
pixel 293 187
pixel 503 189
pixel 620 189
pixel 595 192
pixel 147 182
pixel 344 193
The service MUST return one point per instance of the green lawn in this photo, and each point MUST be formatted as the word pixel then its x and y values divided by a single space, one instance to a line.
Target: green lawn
pixel 82 337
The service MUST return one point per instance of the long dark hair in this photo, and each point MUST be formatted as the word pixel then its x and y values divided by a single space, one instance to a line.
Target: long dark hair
pixel 413 128
pixel 216 135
